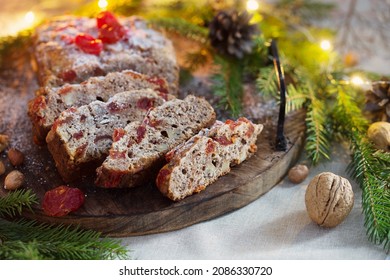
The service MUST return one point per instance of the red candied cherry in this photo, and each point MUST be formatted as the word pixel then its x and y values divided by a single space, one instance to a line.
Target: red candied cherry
pixel 89 44
pixel 107 18
pixel 110 30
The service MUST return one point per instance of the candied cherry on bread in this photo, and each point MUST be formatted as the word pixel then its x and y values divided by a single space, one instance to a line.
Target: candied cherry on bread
pixel 110 30
pixel 89 44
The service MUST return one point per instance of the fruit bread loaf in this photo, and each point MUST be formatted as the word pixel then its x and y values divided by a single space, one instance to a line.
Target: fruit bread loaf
pixel 138 150
pixel 81 137
pixel 201 160
pixel 70 49
pixel 50 102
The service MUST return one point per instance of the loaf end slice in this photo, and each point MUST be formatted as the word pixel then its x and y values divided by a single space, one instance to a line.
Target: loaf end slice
pixel 207 156
pixel 138 150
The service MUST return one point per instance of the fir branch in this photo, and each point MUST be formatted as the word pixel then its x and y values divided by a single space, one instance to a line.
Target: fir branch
pixel 13 203
pixel 266 82
pixel 372 174
pixel 182 27
pixel 369 167
pixel 56 242
pixel 296 98
pixel 227 84
pixel 317 129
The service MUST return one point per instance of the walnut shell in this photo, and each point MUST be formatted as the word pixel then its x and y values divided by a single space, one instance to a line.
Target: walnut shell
pixel 379 134
pixel 298 173
pixel 329 199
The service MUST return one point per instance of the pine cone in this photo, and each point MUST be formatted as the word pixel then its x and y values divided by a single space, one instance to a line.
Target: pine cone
pixel 231 33
pixel 378 100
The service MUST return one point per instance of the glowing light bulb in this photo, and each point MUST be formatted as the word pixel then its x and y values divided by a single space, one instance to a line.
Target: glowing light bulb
pixel 325 45
pixel 252 5
pixel 29 18
pixel 102 4
pixel 357 80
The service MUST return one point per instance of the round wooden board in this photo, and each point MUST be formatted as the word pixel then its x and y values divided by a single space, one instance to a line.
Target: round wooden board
pixel 142 210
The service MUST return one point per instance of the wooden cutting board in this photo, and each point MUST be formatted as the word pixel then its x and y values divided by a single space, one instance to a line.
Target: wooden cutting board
pixel 142 210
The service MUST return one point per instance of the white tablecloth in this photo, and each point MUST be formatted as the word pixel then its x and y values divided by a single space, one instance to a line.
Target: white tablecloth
pixel 275 226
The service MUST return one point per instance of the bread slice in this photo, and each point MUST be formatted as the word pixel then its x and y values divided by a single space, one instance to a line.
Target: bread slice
pixel 138 150
pixel 205 157
pixel 46 107
pixel 81 137
pixel 59 60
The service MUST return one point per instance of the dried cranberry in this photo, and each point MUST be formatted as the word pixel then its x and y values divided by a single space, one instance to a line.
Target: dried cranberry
pixel 145 103
pixel 62 200
pixel 68 76
pixel 110 30
pixel 223 140
pixel 118 134
pixel 141 130
pixel 78 135
pixel 89 44
pixel 162 85
pixel 210 147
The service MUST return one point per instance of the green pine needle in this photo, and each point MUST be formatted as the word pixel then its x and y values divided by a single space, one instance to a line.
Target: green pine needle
pixel 227 84
pixel 14 202
pixel 267 83
pixel 369 167
pixel 318 144
pixel 55 242
pixel 182 27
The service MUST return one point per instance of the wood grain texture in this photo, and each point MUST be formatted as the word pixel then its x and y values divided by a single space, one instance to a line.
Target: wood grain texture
pixel 142 210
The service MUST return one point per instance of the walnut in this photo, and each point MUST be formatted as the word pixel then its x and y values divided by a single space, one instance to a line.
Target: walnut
pixel 379 134
pixel 329 199
pixel 298 173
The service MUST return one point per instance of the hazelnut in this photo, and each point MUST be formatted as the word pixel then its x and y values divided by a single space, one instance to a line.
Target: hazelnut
pixel 4 141
pixel 379 134
pixel 329 199
pixel 2 168
pixel 15 156
pixel 14 180
pixel 298 173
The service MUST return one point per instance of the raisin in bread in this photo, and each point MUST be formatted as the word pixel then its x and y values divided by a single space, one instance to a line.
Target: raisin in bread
pixel 138 150
pixel 59 59
pixel 50 102
pixel 200 161
pixel 81 137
